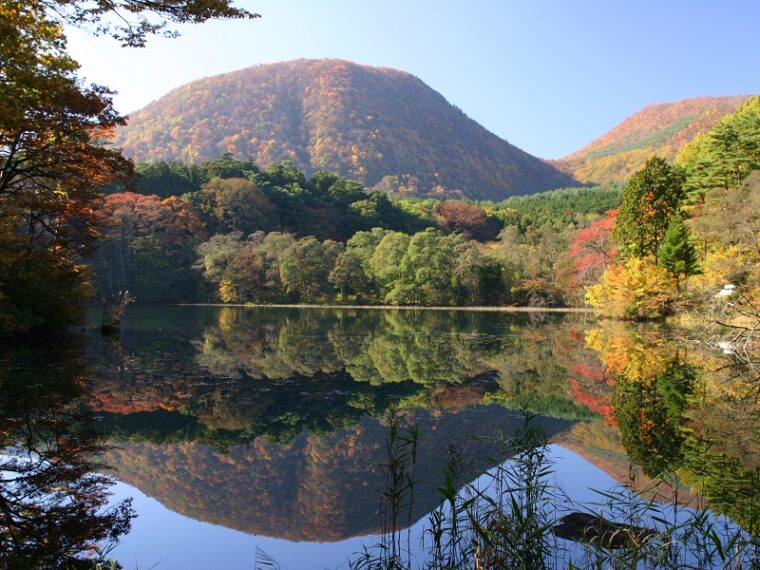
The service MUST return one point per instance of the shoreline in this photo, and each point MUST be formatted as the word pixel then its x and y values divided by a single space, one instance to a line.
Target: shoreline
pixel 468 308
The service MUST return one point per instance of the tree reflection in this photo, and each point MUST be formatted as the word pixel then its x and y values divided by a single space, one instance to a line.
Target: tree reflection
pixel 651 417
pixel 53 509
pixel 686 412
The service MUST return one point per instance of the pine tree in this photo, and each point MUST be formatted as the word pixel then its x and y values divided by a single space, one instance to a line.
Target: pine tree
pixel 677 254
pixel 651 197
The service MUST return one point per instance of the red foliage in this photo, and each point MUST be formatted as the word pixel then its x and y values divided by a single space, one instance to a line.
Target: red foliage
pixel 592 250
pixel 599 403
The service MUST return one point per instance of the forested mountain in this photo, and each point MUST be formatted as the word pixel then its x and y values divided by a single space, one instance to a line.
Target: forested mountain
pixel 380 126
pixel 661 129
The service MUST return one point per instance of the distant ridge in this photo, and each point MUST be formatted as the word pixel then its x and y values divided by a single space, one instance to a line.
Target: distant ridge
pixel 380 126
pixel 661 129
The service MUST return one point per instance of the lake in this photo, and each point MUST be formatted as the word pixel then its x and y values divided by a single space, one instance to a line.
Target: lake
pixel 263 436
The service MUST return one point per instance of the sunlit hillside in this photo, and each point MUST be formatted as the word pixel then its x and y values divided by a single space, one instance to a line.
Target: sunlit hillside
pixel 661 129
pixel 380 126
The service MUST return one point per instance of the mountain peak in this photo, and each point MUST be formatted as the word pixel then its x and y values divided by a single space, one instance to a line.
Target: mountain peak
pixel 381 126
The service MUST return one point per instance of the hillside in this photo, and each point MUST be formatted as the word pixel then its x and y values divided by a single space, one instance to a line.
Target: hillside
pixel 380 126
pixel 318 487
pixel 661 129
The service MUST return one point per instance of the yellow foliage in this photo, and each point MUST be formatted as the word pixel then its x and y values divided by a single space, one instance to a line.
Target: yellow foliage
pixel 638 289
pixel 640 355
pixel 228 292
pixel 719 268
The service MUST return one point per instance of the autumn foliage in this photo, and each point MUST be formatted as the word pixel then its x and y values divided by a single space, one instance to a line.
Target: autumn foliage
pixel 51 165
pixel 382 127
pixel 657 130
pixel 636 289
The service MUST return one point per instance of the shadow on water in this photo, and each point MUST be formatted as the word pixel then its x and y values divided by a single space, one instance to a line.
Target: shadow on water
pixel 54 509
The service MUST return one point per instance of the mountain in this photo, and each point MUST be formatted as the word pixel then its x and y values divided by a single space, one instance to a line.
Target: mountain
pixel 380 126
pixel 318 487
pixel 661 129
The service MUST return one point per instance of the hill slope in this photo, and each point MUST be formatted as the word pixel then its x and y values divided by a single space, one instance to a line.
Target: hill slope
pixel 661 129
pixel 383 127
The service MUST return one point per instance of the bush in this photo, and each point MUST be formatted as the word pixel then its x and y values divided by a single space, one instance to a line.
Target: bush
pixel 637 289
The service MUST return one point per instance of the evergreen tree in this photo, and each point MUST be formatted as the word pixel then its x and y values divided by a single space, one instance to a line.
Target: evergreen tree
pixel 677 254
pixel 650 199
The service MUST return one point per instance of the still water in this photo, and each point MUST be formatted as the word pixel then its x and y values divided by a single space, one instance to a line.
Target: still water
pixel 250 436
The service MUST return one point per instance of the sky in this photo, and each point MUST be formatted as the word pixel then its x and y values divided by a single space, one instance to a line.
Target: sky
pixel 549 76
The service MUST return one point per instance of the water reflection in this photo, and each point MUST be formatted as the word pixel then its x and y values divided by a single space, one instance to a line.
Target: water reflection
pixel 52 504
pixel 274 422
pixel 687 413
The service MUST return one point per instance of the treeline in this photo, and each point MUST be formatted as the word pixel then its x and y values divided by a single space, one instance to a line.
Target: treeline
pixel 295 201
pixel 540 267
pixel 378 266
pixel 234 195
pixel 227 230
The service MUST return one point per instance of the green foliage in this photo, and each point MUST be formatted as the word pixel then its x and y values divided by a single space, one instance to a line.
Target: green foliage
pixel 677 254
pixel 235 199
pixel 427 268
pixel 563 206
pixel 650 198
pixel 306 265
pixel 650 416
pixel 166 179
pixel 722 157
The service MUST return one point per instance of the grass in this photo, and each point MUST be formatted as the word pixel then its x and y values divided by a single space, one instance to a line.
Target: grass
pixel 510 521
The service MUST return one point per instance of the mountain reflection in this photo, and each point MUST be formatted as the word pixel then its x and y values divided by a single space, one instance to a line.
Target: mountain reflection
pixel 264 420
pixel 274 422
pixel 315 487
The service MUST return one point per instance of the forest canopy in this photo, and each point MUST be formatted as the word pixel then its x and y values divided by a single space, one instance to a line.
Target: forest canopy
pixel 275 235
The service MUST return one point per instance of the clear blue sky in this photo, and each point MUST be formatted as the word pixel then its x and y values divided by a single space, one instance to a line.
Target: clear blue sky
pixel 547 75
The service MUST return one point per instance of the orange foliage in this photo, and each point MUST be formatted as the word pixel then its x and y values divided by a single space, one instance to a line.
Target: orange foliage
pixel 661 130
pixel 375 125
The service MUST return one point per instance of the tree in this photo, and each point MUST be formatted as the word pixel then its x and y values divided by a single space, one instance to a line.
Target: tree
pixel 216 254
pixel 306 265
pixel 284 174
pixel 385 263
pixel 52 161
pixel 348 275
pixel 51 165
pixel 722 157
pixel 245 277
pixel 148 247
pixel 650 199
pixel 136 20
pixel 637 289
pixel 465 218
pixel 592 250
pixel 164 179
pixel 677 254
pixel 427 270
pixel 238 204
